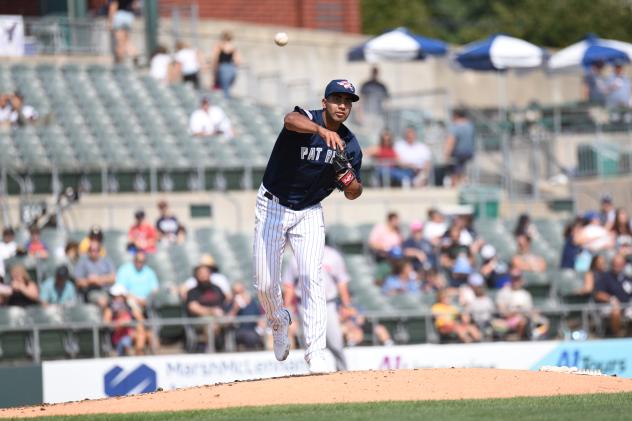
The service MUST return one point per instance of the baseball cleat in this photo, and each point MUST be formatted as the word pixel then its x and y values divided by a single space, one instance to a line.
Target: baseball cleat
pixel 318 364
pixel 279 336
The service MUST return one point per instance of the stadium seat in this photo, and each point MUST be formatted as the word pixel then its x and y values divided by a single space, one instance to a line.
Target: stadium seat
pixel 54 340
pixel 83 339
pixel 14 344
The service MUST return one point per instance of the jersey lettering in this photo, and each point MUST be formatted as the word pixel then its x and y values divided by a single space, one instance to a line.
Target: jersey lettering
pixel 313 154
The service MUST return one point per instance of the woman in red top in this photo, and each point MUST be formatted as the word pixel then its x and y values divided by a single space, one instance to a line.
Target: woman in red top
pixel 386 160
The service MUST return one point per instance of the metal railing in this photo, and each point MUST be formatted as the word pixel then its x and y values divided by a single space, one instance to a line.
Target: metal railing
pixel 587 314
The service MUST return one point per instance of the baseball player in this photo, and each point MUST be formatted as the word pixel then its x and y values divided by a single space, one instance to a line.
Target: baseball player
pixel 314 154
pixel 336 278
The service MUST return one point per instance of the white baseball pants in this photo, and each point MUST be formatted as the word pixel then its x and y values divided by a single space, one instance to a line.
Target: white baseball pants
pixel 275 225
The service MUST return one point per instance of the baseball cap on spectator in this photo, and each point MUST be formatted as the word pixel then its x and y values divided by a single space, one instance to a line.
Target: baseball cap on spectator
pixel 488 251
pixel 140 214
pixel 475 279
pixel 416 225
pixel 62 272
pixel 117 289
pixel 341 86
pixel 207 260
pixel 95 233
pixel 606 198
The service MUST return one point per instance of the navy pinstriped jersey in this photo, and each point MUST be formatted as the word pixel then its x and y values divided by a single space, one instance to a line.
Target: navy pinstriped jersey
pixel 299 170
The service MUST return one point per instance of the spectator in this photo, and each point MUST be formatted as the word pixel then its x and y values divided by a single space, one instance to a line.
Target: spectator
pixel 353 321
pixel 141 236
pixel 94 274
pixel 120 22
pixel 36 247
pixel 161 66
pixel 248 335
pixel 225 59
pixel 418 249
pixel 383 238
pixel 415 157
pixel 190 61
pixel 595 84
pixel 622 231
pixel 374 94
pixel 21 114
pixel 8 249
pixel 515 304
pixel 5 111
pixel 167 225
pixel 206 299
pixel 598 267
pixel 402 281
pixel 126 339
pixel 436 226
pixel 387 171
pixel 24 291
pixel 524 259
pixel 460 146
pixel 607 211
pixel 218 279
pixel 71 256
pixel 615 288
pixel 449 321
pixel 59 290
pixel 571 247
pixel 618 87
pixel 493 270
pixel 139 280
pixel 210 120
pixel 524 226
pixel 95 234
pixel 480 306
pixel 594 237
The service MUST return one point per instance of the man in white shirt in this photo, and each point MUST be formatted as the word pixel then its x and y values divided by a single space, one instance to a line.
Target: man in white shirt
pixel 8 248
pixel 210 120
pixel 414 156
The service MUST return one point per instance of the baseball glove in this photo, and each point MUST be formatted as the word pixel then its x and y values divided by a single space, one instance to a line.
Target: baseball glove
pixel 343 170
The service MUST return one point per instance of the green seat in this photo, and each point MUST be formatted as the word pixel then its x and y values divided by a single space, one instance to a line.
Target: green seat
pixel 53 343
pixel 14 344
pixel 83 337
pixel 166 304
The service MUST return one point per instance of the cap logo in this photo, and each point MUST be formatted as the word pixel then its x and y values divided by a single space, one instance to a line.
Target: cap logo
pixel 347 85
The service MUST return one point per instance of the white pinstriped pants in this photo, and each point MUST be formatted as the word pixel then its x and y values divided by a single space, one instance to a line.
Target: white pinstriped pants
pixel 275 224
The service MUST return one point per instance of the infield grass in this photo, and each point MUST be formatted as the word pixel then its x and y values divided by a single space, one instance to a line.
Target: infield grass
pixel 617 406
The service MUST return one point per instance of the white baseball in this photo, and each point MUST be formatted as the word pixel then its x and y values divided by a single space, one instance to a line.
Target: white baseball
pixel 281 39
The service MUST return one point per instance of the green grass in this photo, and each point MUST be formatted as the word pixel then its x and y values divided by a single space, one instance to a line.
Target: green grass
pixel 573 408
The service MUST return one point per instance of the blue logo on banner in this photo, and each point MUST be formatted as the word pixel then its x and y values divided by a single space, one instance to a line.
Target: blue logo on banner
pixel 140 380
pixel 611 356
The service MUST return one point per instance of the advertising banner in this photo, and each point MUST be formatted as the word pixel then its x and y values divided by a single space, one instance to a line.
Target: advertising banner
pixel 11 35
pixel 98 378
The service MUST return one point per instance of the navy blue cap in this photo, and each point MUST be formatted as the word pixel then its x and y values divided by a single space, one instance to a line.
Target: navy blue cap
pixel 341 86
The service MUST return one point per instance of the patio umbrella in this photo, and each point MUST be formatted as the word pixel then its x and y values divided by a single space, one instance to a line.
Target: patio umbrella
pixel 500 52
pixel 399 44
pixel 590 50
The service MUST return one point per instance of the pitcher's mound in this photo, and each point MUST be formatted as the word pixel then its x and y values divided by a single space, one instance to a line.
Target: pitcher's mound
pixel 360 386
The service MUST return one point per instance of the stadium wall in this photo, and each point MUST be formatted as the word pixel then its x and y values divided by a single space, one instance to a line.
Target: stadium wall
pixel 98 378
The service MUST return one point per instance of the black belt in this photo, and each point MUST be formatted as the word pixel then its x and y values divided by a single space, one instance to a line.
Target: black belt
pixel 270 196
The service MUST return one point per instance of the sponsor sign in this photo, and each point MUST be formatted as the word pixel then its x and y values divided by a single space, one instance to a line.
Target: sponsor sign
pixel 613 356
pixel 11 35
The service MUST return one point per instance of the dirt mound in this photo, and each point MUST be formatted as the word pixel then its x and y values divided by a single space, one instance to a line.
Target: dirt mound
pixel 362 386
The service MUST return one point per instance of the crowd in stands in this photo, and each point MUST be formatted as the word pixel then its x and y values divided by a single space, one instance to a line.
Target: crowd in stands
pixel 186 64
pixel 14 112
pixel 479 296
pixel 611 90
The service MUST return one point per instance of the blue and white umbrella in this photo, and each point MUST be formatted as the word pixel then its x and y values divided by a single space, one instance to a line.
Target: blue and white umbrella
pixel 500 52
pixel 590 50
pixel 397 45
